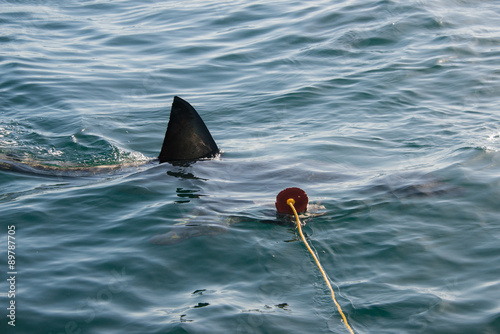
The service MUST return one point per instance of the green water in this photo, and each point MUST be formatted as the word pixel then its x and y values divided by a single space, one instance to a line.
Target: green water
pixel 384 112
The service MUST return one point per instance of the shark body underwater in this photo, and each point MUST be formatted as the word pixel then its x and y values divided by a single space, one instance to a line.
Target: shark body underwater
pixel 187 139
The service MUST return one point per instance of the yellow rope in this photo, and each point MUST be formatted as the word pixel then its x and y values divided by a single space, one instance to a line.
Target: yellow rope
pixel 291 202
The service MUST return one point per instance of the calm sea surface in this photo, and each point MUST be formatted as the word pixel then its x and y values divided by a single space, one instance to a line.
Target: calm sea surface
pixel 387 113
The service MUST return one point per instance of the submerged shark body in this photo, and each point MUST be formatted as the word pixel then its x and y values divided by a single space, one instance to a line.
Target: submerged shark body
pixel 187 139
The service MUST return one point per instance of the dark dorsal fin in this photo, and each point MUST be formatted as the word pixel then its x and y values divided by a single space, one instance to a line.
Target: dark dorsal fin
pixel 187 136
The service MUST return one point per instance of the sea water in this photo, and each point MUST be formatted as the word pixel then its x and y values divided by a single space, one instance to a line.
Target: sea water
pixel 385 112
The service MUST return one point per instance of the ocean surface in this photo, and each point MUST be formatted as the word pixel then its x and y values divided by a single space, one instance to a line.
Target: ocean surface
pixel 387 113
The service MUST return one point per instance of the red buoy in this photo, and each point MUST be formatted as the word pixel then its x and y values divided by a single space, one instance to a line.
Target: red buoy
pixel 297 194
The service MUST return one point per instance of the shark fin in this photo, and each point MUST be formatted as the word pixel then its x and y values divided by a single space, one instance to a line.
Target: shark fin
pixel 187 136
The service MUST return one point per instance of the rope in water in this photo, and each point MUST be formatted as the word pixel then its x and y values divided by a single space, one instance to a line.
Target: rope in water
pixel 291 203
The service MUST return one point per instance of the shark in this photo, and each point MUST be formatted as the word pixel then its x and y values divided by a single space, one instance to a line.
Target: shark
pixel 187 139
